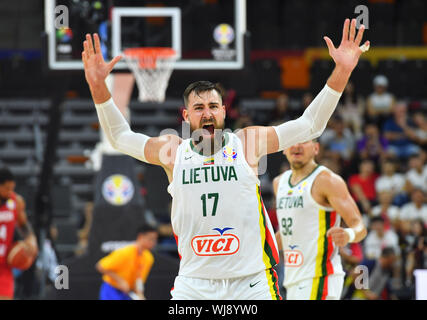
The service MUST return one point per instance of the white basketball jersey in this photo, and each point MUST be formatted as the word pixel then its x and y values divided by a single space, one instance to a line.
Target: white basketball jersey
pixel 303 223
pixel 220 223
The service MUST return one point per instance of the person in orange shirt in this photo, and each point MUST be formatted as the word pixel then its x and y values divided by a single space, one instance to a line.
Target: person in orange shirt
pixel 125 270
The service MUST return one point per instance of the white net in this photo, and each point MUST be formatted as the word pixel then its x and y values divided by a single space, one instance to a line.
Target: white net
pixel 152 73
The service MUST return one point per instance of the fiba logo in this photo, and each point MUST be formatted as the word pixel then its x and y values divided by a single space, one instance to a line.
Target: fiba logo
pixel 117 190
pixel 64 35
pixel 229 154
pixel 224 34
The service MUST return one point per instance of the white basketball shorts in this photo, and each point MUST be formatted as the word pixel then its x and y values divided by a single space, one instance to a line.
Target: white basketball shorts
pixel 259 286
pixel 323 288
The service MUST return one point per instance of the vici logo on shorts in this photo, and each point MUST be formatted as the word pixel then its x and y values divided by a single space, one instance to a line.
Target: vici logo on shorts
pixel 293 258
pixel 216 244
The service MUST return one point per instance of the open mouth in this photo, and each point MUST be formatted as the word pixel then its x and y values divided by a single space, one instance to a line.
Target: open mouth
pixel 209 127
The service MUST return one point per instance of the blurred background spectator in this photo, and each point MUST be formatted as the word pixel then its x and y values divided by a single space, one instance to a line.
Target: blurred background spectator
pixel 338 141
pixel 419 133
pixel 380 102
pixel 379 273
pixel 386 210
pixel 416 209
pixel 281 112
pixel 362 186
pixel 351 108
pixel 398 132
pixel 372 145
pixel 391 181
pixel 416 176
pixel 379 238
pixel 417 256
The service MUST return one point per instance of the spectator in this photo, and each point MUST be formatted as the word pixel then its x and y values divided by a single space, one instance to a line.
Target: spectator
pixel 362 186
pixel 380 102
pixel 417 257
pixel 281 112
pixel 339 142
pixel 417 130
pixel 351 108
pixel 230 101
pixel 351 255
pixel 331 164
pixel 244 120
pixel 380 272
pixel 419 134
pixel 379 238
pixel 47 260
pixel 307 98
pixel 391 181
pixel 125 270
pixel 83 233
pixel 386 210
pixel 372 145
pixel 396 132
pixel 416 209
pixel 416 177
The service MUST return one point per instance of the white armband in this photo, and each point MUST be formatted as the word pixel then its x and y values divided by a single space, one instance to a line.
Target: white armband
pixel 313 121
pixel 118 132
pixel 351 234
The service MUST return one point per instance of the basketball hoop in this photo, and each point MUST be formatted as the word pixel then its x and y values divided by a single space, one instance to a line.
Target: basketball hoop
pixel 152 68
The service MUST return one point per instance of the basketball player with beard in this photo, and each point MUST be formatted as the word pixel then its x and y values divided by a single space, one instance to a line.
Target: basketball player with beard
pixel 12 213
pixel 224 236
pixel 310 201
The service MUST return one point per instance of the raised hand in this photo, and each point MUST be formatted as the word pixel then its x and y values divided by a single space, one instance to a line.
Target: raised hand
pixel 347 54
pixel 96 69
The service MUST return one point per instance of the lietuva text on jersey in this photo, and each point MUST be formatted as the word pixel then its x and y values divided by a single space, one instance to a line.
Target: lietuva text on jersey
pixel 291 202
pixel 209 174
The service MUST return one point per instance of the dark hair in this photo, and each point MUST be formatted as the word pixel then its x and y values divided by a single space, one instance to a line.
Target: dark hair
pixel 377 219
pixel 145 228
pixel 6 175
pixel 387 252
pixel 202 86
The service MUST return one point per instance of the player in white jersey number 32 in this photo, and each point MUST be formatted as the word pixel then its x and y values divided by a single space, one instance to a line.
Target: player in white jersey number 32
pixel 310 200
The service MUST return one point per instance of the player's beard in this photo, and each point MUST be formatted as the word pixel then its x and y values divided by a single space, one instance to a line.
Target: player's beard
pixel 297 165
pixel 208 144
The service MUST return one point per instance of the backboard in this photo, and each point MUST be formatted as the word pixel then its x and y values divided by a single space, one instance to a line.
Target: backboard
pixel 206 34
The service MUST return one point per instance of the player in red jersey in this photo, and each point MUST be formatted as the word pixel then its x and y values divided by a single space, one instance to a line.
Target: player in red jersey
pixel 12 212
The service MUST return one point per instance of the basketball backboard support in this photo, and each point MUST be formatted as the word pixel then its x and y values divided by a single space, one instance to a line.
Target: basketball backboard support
pixel 206 34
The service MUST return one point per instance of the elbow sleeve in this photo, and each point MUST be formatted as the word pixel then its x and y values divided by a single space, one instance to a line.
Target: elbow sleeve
pixel 118 132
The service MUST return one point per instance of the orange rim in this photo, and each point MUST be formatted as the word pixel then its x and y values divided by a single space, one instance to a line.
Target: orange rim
pixel 148 56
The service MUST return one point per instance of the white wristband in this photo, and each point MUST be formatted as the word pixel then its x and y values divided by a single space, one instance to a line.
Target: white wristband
pixel 351 234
